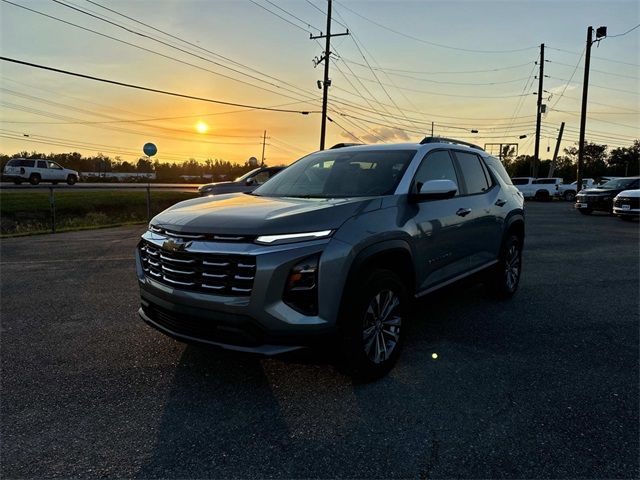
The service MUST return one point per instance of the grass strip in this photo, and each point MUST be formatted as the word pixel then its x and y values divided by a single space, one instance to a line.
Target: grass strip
pixel 27 213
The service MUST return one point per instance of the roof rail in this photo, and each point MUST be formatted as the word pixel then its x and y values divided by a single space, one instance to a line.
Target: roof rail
pixel 449 140
pixel 342 145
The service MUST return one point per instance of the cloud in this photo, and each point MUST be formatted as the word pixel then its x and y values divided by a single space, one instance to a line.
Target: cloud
pixel 380 134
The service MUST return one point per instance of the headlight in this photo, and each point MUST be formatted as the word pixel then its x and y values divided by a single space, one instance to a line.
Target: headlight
pixel 292 237
pixel 301 290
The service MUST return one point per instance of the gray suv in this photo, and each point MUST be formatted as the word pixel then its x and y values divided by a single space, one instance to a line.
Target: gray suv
pixel 333 250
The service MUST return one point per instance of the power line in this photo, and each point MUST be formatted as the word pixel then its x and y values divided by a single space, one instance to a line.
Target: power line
pixel 601 86
pixel 623 34
pixel 200 57
pixel 292 15
pixel 111 118
pixel 154 90
pixel 325 13
pixel 194 45
pixel 598 71
pixel 169 57
pixel 421 40
pixel 599 58
pixel 570 79
pixel 45 113
pixel 450 72
pixel 281 17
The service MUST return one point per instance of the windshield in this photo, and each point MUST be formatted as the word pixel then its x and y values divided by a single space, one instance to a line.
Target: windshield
pixel 337 174
pixel 617 183
pixel 246 175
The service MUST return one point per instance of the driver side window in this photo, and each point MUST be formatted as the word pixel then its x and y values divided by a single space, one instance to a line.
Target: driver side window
pixel 436 166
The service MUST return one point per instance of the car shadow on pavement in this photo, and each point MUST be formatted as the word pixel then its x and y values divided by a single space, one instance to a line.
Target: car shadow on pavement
pixel 232 415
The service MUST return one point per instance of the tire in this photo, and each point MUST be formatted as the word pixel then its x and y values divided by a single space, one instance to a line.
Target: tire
pixel 34 179
pixel 372 324
pixel 542 196
pixel 569 196
pixel 71 179
pixel 505 276
pixel 585 211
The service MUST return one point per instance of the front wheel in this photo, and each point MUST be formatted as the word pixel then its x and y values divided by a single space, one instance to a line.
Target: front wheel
pixel 372 325
pixel 71 179
pixel 505 277
pixel 569 196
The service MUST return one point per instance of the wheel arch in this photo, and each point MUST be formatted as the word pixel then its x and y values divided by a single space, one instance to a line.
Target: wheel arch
pixel 394 255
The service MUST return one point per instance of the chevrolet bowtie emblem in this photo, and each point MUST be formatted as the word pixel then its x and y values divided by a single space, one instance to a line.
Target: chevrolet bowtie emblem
pixel 174 247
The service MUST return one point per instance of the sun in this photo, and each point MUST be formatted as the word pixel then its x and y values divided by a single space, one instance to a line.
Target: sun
pixel 202 127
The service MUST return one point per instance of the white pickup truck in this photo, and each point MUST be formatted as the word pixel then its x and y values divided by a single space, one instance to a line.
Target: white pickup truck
pixel 567 191
pixel 537 188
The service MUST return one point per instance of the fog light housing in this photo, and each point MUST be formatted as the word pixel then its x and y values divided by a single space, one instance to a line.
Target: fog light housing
pixel 301 289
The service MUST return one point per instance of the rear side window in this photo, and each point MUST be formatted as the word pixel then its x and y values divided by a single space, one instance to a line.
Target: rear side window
pixel 498 169
pixel 21 162
pixel 545 181
pixel 520 181
pixel 436 166
pixel 473 172
pixel 42 164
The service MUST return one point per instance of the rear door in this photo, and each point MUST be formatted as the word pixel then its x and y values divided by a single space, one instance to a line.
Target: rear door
pixel 484 221
pixel 43 171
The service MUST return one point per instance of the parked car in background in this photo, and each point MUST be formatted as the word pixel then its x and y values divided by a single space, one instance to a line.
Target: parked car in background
pixel 600 198
pixel 537 188
pixel 35 170
pixel 246 183
pixel 567 191
pixel 523 184
pixel 332 251
pixel 626 204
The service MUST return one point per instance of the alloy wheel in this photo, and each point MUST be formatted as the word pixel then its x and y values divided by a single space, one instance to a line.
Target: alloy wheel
pixel 381 326
pixel 512 267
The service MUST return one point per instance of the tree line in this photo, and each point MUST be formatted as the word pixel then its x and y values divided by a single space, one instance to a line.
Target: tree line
pixel 215 169
pixel 599 161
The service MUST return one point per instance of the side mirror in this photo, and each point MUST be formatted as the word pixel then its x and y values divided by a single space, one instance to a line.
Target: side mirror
pixel 250 181
pixel 436 190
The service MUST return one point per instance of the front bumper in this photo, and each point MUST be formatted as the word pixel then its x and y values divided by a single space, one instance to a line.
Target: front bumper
pixel 591 203
pixel 258 322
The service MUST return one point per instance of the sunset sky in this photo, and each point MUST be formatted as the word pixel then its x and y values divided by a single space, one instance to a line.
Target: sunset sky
pixel 461 64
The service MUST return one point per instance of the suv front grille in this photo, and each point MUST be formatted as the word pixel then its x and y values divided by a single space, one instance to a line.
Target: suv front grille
pixel 211 273
pixel 633 202
pixel 200 236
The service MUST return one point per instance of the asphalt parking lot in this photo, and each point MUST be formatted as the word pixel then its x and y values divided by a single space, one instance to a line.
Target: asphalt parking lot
pixel 544 385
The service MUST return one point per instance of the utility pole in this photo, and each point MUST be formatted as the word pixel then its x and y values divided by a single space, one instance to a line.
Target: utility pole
pixel 264 141
pixel 555 152
pixel 600 33
pixel 432 129
pixel 536 153
pixel 326 82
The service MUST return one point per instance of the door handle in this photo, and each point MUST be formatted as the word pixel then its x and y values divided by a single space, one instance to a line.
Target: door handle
pixel 500 202
pixel 463 212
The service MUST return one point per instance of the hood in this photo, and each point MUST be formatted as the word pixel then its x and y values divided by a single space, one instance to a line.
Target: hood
pixel 211 185
pixel 242 214
pixel 630 193
pixel 596 191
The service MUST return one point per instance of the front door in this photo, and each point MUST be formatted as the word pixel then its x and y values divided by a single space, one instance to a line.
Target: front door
pixel 439 225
